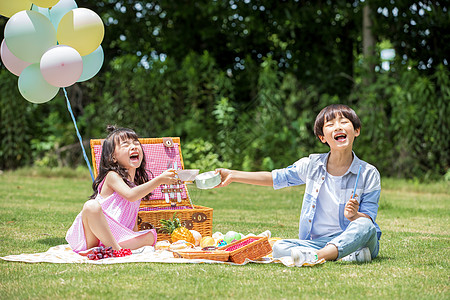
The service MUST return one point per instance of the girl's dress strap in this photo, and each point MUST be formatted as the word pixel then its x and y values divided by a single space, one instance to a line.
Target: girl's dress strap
pixel 99 189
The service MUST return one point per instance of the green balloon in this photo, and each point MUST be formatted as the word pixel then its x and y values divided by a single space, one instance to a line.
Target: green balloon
pixel 92 63
pixel 28 34
pixel 33 87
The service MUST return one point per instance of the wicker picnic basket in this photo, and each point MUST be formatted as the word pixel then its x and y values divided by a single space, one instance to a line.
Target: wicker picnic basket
pixel 251 247
pixel 161 154
pixel 219 255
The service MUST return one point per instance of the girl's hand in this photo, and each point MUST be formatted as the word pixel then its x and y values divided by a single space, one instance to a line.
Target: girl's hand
pixel 225 176
pixel 351 209
pixel 168 177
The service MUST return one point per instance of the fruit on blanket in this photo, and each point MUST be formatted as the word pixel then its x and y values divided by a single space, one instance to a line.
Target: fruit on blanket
pixel 217 236
pixel 197 237
pixel 102 252
pixel 221 243
pixel 231 236
pixel 121 252
pixel 180 245
pixel 207 241
pixel 162 245
pixel 176 231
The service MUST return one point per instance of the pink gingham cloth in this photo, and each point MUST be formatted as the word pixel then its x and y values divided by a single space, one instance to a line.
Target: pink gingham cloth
pixel 121 215
pixel 158 159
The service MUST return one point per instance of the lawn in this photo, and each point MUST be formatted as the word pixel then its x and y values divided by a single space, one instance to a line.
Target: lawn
pixel 37 208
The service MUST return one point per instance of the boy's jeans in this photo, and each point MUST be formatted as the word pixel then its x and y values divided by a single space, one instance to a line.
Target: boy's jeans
pixel 359 233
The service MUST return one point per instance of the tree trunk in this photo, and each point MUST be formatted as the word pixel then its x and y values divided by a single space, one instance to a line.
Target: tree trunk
pixel 368 45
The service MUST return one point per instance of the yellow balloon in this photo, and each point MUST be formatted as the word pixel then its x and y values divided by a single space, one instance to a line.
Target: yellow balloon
pixel 10 7
pixel 45 3
pixel 81 29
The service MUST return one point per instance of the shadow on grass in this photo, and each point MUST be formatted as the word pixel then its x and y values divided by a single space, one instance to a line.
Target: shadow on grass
pixel 377 260
pixel 52 241
pixel 383 258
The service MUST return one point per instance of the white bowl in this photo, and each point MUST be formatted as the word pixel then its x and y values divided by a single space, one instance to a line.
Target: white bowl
pixel 208 180
pixel 187 175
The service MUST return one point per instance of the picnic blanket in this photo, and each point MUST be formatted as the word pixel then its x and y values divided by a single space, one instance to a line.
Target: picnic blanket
pixel 63 254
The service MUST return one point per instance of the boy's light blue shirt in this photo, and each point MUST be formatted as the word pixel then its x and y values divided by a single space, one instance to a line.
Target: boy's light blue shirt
pixel 312 170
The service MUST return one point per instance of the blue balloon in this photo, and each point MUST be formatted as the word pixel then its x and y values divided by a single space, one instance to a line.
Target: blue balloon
pixel 56 13
pixel 92 63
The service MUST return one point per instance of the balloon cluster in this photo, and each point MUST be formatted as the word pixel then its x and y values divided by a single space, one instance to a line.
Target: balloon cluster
pixel 52 45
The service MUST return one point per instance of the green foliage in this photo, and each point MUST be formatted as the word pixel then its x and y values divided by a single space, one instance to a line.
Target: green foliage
pixel 225 134
pixel 249 78
pixel 48 148
pixel 418 30
pixel 447 175
pixel 15 123
pixel 200 154
pixel 405 123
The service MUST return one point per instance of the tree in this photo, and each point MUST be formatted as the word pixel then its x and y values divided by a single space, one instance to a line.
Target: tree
pixel 369 43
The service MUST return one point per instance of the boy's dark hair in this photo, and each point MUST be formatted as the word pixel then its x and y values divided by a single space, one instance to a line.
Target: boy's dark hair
pixel 332 111
pixel 107 163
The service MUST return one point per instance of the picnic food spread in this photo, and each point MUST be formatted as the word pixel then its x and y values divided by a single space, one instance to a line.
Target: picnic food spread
pixel 251 248
pixel 232 246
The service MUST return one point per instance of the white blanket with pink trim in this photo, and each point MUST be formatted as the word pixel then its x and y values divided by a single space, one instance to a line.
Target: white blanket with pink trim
pixel 63 254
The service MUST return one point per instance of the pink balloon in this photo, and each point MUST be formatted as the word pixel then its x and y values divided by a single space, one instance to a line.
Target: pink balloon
pixel 12 63
pixel 61 65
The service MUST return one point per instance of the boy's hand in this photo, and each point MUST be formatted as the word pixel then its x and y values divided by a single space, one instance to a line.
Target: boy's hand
pixel 225 176
pixel 351 209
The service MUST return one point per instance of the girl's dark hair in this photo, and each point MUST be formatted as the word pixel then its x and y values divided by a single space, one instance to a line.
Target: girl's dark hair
pixel 332 111
pixel 107 163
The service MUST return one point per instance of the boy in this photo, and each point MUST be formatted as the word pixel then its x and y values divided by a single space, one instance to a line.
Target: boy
pixel 335 222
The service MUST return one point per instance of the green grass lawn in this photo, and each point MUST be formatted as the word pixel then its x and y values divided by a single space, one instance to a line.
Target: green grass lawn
pixel 37 210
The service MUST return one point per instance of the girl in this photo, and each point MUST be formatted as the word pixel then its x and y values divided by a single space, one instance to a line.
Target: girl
pixel 336 221
pixel 109 218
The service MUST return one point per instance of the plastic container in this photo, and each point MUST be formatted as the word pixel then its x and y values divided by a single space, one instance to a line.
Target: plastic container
pixel 208 180
pixel 188 174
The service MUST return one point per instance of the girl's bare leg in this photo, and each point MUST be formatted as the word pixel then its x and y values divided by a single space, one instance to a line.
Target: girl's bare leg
pixel 96 227
pixel 147 239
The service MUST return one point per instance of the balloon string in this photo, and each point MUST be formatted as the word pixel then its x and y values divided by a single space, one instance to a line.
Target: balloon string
pixel 78 134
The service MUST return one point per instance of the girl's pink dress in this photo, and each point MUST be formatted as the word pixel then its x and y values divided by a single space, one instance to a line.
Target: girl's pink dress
pixel 121 215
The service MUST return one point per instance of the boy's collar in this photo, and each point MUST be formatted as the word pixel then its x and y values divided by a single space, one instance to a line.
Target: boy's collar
pixel 323 161
pixel 354 167
pixel 356 162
